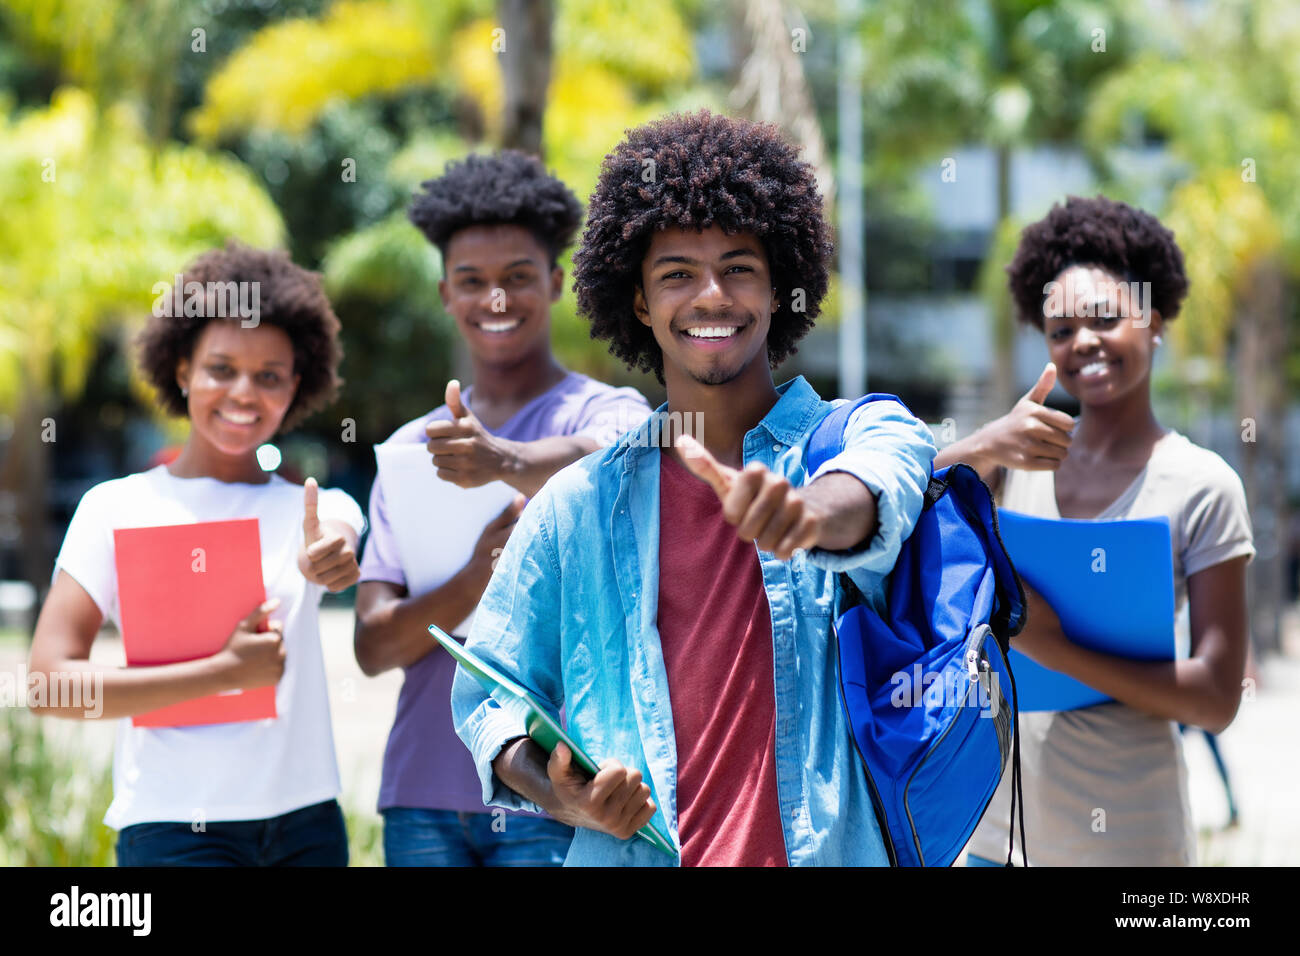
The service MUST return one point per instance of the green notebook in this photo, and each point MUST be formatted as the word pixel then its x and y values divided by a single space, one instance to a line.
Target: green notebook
pixel 540 725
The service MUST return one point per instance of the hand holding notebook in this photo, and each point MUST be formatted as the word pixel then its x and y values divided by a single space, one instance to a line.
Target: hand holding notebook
pixel 538 724
pixel 1111 583
pixel 183 590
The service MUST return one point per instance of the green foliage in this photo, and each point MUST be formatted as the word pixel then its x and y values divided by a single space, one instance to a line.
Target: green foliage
pixel 52 801
pixel 53 797
pixel 94 217
pixel 365 836
pixel 591 33
pixel 332 179
pixel 115 50
pixel 1223 97
pixel 397 341
pixel 287 74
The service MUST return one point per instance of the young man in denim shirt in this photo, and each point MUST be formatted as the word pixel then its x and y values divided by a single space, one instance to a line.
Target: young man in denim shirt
pixel 673 593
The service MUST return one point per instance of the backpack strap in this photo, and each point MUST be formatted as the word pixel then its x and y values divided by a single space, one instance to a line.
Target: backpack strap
pixel 827 439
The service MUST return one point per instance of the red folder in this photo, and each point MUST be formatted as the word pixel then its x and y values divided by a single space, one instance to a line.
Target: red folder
pixel 182 590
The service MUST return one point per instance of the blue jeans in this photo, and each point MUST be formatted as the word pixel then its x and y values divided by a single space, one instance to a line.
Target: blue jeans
pixel 418 837
pixel 312 836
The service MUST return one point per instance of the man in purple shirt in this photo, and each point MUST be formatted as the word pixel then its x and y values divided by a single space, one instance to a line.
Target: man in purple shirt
pixel 500 223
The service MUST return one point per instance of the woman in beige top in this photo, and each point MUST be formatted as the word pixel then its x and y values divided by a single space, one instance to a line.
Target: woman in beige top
pixel 1106 785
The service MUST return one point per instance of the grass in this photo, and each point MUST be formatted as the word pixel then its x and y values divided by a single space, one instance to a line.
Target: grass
pixel 51 805
pixel 53 800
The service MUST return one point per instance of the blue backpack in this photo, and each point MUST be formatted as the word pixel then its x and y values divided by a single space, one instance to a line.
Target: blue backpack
pixel 924 689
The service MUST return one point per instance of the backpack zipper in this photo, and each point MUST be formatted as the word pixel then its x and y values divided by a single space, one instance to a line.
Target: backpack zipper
pixel 974 641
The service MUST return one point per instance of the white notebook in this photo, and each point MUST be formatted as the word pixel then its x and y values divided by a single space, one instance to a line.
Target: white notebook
pixel 436 523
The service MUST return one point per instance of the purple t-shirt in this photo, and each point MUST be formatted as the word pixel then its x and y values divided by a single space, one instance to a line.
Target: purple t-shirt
pixel 425 763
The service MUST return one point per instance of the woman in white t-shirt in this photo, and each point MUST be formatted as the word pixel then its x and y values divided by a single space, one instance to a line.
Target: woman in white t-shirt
pixel 257 792
pixel 1107 785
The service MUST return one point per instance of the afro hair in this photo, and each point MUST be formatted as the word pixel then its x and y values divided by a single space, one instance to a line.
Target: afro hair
pixel 505 188
pixel 289 297
pixel 692 171
pixel 1102 232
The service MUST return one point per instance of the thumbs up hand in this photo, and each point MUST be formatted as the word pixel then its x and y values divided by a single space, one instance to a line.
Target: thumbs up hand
pixel 329 551
pixel 762 505
pixel 464 452
pixel 1031 436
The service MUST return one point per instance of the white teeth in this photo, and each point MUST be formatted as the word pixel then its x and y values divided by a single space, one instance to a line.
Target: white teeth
pixel 713 332
pixel 500 326
pixel 239 418
pixel 1093 368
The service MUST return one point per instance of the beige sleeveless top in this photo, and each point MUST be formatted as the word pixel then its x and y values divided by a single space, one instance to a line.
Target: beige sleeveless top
pixel 1107 785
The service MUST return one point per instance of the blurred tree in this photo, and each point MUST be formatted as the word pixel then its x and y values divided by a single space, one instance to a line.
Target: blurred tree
pixel 272 96
pixel 1009 73
pixel 771 86
pixel 113 49
pixel 525 50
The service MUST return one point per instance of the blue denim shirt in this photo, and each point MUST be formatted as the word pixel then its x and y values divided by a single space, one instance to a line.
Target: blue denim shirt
pixel 571 609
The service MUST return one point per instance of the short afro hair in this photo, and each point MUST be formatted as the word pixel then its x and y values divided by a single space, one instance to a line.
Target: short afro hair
pixel 505 188
pixel 695 170
pixel 1128 242
pixel 289 297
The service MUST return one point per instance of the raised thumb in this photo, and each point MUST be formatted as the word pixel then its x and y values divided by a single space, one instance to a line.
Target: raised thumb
pixel 1043 387
pixel 454 403
pixel 310 520
pixel 702 464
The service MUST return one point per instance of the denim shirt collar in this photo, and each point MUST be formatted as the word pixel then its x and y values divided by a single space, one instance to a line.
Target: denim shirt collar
pixel 787 421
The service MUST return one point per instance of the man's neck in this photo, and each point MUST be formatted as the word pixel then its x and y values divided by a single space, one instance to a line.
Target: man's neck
pixel 723 413
pixel 514 385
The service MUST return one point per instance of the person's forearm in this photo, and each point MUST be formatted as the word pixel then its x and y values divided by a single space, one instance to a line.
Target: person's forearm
pixel 849 507
pixel 972 451
pixel 521 766
pixel 533 462
pixel 1184 691
pixel 395 632
pixel 79 689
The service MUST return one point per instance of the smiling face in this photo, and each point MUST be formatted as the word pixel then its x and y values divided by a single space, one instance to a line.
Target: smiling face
pixel 241 383
pixel 708 299
pixel 499 287
pixel 1096 335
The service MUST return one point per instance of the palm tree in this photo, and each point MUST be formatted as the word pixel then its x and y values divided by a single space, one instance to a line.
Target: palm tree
pixel 526 70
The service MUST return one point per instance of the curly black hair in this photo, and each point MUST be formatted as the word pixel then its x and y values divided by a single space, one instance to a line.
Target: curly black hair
pixel 507 187
pixel 694 170
pixel 289 297
pixel 1102 232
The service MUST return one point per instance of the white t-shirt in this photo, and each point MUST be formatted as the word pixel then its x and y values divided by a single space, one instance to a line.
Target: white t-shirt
pixel 237 771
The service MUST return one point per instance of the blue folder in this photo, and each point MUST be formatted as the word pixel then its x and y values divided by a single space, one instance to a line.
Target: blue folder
pixel 1110 582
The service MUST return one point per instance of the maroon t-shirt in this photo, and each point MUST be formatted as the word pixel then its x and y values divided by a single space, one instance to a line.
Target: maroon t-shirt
pixel 716 632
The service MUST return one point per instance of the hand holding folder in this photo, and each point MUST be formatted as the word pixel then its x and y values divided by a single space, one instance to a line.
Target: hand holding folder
pixel 539 725
pixel 182 591
pixel 1111 583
